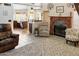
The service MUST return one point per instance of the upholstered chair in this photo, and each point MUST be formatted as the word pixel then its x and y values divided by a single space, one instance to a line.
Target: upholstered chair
pixel 72 35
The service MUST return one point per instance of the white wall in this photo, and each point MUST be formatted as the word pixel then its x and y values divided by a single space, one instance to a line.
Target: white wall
pixel 18 6
pixel 67 10
pixel 44 7
pixel 52 12
pixel 6 13
pixel 75 22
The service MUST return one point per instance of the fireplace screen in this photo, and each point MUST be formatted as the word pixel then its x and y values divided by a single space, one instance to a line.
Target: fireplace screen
pixel 59 28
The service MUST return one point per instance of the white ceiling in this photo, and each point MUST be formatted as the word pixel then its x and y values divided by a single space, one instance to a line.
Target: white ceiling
pixel 27 5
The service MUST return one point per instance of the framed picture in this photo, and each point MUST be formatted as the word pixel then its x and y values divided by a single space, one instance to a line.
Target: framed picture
pixel 59 9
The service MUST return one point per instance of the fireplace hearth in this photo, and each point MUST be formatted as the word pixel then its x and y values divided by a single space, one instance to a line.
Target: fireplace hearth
pixel 59 28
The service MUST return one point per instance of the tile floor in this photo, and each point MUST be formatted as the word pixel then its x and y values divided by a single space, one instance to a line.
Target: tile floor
pixel 23 37
pixel 29 45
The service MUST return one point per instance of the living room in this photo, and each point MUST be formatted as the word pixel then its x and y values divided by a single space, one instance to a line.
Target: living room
pixel 39 29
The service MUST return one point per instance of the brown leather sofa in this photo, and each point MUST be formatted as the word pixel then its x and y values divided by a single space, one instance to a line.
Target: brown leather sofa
pixel 8 40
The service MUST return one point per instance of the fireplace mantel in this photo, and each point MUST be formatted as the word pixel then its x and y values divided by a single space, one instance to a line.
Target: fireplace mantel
pixel 66 19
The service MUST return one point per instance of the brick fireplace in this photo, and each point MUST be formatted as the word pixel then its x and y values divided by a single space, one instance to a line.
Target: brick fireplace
pixel 67 21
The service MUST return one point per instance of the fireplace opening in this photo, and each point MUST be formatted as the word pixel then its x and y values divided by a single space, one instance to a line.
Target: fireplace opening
pixel 59 28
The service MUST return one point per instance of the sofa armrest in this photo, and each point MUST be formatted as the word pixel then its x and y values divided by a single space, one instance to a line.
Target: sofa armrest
pixel 15 37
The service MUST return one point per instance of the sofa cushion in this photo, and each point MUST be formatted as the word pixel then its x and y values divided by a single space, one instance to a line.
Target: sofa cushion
pixel 8 34
pixel 6 31
pixel 6 41
pixel 7 27
pixel 4 35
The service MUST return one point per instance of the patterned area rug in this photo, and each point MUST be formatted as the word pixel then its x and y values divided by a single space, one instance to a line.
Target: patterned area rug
pixel 45 46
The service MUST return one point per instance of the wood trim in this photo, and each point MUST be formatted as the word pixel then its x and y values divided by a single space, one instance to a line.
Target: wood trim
pixel 61 16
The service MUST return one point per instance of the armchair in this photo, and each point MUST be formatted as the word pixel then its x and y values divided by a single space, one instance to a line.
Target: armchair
pixel 72 35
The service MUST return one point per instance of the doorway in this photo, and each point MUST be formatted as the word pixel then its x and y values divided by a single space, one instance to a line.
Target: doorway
pixel 21 21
